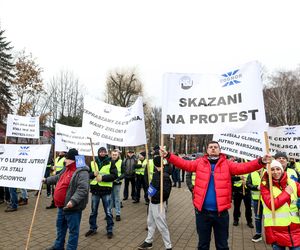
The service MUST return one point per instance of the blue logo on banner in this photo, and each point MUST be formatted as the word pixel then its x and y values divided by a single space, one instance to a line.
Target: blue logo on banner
pixel 231 78
pixel 80 161
pixel 151 190
pixel 24 150
pixel 290 131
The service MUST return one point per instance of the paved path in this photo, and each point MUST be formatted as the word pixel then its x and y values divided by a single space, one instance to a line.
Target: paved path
pixel 128 233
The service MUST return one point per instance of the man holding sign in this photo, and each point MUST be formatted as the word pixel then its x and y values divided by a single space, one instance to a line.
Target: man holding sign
pixel 70 197
pixel 212 190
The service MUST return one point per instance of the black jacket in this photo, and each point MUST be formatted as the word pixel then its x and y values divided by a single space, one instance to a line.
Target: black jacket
pixel 167 186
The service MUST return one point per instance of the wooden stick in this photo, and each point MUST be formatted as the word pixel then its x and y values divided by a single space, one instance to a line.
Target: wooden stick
pixel 5 140
pixel 270 177
pixel 96 166
pixel 147 160
pixel 161 174
pixel 33 217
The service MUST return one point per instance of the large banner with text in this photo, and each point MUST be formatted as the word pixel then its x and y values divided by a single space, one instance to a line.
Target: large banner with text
pixel 67 137
pixel 285 139
pixel 252 145
pixel 23 126
pixel 23 166
pixel 114 125
pixel 206 104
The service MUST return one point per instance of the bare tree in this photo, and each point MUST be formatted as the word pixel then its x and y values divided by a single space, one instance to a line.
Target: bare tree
pixel 281 96
pixel 123 88
pixel 64 99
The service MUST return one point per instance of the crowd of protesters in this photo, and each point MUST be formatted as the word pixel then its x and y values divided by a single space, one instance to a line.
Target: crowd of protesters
pixel 215 180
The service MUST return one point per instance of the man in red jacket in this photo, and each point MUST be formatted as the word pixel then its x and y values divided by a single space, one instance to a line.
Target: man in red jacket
pixel 212 190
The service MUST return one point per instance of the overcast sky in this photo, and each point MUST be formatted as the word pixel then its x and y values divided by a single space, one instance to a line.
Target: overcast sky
pixel 92 37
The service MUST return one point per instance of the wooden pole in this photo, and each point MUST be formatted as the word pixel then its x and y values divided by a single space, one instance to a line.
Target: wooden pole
pixel 96 167
pixel 33 217
pixel 5 140
pixel 147 160
pixel 270 177
pixel 161 174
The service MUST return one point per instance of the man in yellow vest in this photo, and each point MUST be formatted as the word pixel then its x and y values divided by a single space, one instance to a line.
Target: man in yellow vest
pixel 283 159
pixel 140 180
pixel 59 164
pixel 115 194
pixel 241 193
pixel 102 174
pixel 253 184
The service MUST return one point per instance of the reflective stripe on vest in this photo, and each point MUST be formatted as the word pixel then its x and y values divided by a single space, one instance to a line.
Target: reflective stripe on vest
pixel 240 182
pixel 141 171
pixel 193 178
pixel 118 166
pixel 59 163
pixel 286 214
pixel 103 171
pixel 255 177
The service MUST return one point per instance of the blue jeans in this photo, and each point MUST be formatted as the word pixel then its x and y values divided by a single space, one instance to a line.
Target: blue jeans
pixel 67 220
pixel 277 247
pixel 13 197
pixel 258 218
pixel 24 194
pixel 208 220
pixel 115 199
pixel 106 206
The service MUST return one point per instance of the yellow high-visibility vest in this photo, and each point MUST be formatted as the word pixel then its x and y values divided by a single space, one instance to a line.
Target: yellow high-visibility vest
pixel 193 178
pixel 255 177
pixel 286 214
pixel 59 163
pixel 103 171
pixel 141 171
pixel 240 182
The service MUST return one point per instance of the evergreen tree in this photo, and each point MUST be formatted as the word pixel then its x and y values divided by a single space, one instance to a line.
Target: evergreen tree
pixel 6 77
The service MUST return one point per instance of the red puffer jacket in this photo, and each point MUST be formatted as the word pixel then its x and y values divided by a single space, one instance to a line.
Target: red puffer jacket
pixel 284 236
pixel 224 169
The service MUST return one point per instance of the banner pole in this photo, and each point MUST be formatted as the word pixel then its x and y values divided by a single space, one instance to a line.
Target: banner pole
pixel 33 217
pixel 147 160
pixel 93 156
pixel 5 140
pixel 161 174
pixel 270 177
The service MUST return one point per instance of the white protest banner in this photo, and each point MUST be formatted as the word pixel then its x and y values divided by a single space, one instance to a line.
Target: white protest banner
pixel 67 137
pixel 285 139
pixel 208 104
pixel 23 126
pixel 115 125
pixel 23 166
pixel 247 146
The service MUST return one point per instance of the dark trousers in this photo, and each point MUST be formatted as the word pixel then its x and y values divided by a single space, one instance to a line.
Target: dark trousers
pixel 208 220
pixel 4 194
pixel 140 183
pixel 238 197
pixel 132 181
pixel 176 176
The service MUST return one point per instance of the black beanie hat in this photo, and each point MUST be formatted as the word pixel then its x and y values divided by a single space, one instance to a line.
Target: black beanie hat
pixel 71 154
pixel 280 154
pixel 102 149
pixel 143 154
